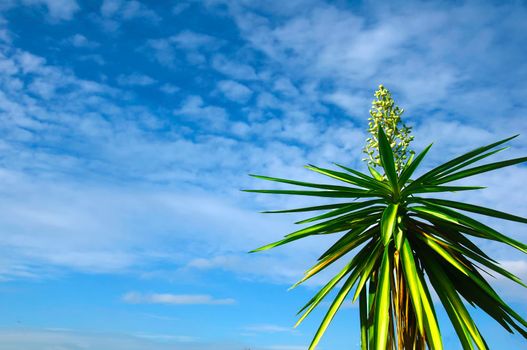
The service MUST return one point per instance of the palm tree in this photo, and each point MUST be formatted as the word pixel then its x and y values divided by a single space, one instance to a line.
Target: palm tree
pixel 405 242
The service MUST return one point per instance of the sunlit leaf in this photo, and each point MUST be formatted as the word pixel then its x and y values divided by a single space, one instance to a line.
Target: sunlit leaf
pixel 387 161
pixel 382 302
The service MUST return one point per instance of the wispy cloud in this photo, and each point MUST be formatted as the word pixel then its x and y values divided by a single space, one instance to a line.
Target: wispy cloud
pixel 511 290
pixel 175 299
pixel 192 40
pixel 127 10
pixel 235 91
pixel 135 79
pixel 194 109
pixel 56 9
pixel 267 328
pixel 287 347
pixel 321 41
pixel 168 88
pixel 192 45
pixel 79 40
pixel 33 339
pixel 234 69
pixel 113 13
pixel 180 8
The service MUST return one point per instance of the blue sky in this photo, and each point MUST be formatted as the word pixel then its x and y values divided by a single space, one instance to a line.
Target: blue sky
pixel 127 129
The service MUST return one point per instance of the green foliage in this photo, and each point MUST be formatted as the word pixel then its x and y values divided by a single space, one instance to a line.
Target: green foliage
pixel 387 116
pixel 392 235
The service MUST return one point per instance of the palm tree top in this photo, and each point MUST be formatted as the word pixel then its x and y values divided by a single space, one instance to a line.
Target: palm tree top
pixel 396 242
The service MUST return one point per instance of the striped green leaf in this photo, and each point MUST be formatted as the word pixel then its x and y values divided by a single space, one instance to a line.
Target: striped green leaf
pixel 412 281
pixel 473 208
pixel 455 217
pixel 458 160
pixel 410 168
pixel 479 170
pixel 382 302
pixel 314 208
pixel 351 193
pixel 388 222
pixel 387 161
pixel 343 210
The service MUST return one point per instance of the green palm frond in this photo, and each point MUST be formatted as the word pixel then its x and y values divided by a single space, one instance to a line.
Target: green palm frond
pixel 407 243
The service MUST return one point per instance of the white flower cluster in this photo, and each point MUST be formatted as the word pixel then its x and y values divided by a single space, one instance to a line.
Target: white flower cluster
pixel 386 114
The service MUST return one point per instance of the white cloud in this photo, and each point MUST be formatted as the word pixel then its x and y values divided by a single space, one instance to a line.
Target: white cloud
pixel 285 86
pixel 113 13
pixel 192 40
pixel 135 79
pixel 511 291
pixel 349 54
pixel 353 104
pixel 29 62
pixel 134 9
pixel 175 299
pixel 169 89
pixel 268 328
pixel 191 44
pixel 57 9
pixel 5 33
pixel 52 339
pixel 517 267
pixel 233 69
pixel 194 109
pixel 162 50
pixel 168 337
pixel 127 10
pixel 235 91
pixel 110 7
pixel 79 40
pixel 180 8
pixel 42 88
pixel 50 229
pixel 277 267
pixel 287 347
pixel 100 227
pixel 96 58
pixel 451 137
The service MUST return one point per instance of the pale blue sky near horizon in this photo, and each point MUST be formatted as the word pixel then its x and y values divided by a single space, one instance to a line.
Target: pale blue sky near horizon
pixel 128 128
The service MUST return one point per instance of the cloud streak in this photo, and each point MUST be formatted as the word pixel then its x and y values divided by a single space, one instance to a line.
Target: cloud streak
pixel 175 299
pixel 56 9
pixel 47 339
